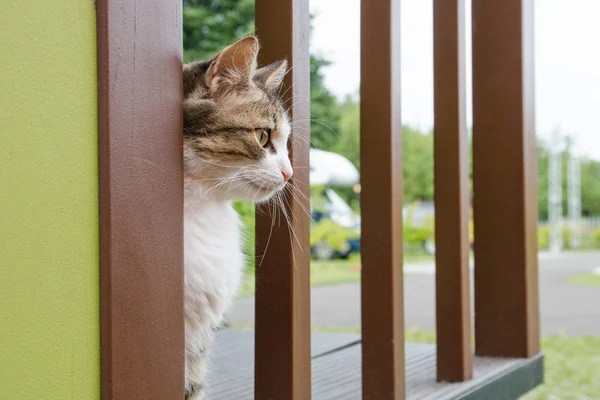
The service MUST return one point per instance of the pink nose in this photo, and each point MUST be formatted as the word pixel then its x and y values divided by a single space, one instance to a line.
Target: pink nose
pixel 287 175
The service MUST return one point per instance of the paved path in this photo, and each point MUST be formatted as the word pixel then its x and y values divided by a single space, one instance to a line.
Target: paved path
pixel 565 309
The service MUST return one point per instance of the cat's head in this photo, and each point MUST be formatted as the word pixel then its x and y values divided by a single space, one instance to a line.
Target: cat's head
pixel 235 125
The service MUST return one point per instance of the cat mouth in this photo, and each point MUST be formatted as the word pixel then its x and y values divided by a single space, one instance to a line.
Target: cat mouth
pixel 265 190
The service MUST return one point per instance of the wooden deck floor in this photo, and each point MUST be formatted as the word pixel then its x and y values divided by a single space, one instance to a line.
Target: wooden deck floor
pixel 336 371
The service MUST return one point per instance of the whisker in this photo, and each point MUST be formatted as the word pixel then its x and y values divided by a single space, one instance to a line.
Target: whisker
pixel 269 237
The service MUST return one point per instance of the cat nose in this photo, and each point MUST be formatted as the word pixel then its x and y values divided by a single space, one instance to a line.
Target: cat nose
pixel 287 175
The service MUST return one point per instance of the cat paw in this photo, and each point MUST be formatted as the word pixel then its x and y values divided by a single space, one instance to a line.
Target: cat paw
pixel 194 391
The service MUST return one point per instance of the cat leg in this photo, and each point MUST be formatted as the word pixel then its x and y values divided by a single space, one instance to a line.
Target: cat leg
pixel 196 366
pixel 194 391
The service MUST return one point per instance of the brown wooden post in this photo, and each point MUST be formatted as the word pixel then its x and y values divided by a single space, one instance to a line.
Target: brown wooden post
pixel 381 202
pixel 282 362
pixel 141 199
pixel 453 309
pixel 505 180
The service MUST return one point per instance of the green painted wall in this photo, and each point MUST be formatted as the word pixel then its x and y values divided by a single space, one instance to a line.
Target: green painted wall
pixel 49 270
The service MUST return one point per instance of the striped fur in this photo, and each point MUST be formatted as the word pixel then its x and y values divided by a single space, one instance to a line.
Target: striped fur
pixel 229 105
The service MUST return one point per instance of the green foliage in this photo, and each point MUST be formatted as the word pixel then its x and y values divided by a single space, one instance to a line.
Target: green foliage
pixel 590 238
pixel 348 144
pixel 566 237
pixel 324 109
pixel 331 233
pixel 590 188
pixel 417 153
pixel 210 25
pixel 317 198
pixel 543 237
pixel 590 182
pixel 596 237
pixel 414 234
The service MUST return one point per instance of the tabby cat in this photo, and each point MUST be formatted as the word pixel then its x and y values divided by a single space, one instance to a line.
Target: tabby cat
pixel 235 148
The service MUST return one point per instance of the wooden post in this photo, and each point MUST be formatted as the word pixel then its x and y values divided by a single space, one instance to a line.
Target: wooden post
pixel 282 362
pixel 453 309
pixel 381 202
pixel 140 116
pixel 504 180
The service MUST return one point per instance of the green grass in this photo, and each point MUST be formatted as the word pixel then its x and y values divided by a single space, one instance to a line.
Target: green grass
pixel 332 272
pixel 571 365
pixel 572 369
pixel 585 279
pixel 321 273
pixel 415 258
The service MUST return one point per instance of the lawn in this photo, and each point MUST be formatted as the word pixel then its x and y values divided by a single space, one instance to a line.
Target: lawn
pixel 321 273
pixel 572 369
pixel 585 279
pixel 332 272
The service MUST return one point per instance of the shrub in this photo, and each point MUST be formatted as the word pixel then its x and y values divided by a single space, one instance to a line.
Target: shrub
pixel 566 237
pixel 596 236
pixel 331 233
pixel 543 237
pixel 413 234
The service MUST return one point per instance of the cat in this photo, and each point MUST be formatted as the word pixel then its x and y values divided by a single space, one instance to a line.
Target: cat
pixel 235 130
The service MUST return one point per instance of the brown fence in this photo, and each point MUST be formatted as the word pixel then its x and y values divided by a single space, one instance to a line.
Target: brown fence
pixel 504 198
pixel 141 274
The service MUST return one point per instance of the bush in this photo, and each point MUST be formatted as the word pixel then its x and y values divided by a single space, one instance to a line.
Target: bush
pixel 543 237
pixel 596 237
pixel 331 233
pixel 566 237
pixel 416 235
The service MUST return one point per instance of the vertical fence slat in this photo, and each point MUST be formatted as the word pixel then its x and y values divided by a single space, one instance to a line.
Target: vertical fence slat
pixel 282 343
pixel 504 179
pixel 381 202
pixel 140 122
pixel 453 320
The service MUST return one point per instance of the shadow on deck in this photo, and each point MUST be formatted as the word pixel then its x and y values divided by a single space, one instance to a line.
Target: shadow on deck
pixel 336 371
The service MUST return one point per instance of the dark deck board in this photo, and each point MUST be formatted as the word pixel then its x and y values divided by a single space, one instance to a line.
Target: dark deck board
pixel 336 371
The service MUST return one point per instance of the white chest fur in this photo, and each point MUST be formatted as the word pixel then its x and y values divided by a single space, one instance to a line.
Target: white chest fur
pixel 213 262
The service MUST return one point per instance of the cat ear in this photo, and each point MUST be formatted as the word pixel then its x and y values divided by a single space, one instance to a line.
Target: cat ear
pixel 271 76
pixel 234 65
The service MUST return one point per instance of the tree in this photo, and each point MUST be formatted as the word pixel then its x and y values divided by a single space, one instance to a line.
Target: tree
pixel 210 25
pixel 348 143
pixel 324 109
pixel 590 188
pixel 590 182
pixel 417 154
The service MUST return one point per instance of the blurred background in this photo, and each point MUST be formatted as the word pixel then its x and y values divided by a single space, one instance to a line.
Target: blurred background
pixel 567 75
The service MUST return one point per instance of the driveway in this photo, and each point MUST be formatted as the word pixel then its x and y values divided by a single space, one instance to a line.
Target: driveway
pixel 565 309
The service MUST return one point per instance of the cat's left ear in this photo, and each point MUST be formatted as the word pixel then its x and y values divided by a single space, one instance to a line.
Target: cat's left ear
pixel 236 64
pixel 271 76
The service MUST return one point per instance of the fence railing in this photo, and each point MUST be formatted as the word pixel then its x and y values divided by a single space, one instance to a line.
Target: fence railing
pixel 504 201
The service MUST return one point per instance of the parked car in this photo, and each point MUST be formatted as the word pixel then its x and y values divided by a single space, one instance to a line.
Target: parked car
pixel 336 229
pixel 337 225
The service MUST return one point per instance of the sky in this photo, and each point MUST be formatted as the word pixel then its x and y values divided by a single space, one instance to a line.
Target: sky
pixel 567 63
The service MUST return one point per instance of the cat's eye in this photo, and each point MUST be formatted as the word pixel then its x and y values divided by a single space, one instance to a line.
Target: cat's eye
pixel 262 136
